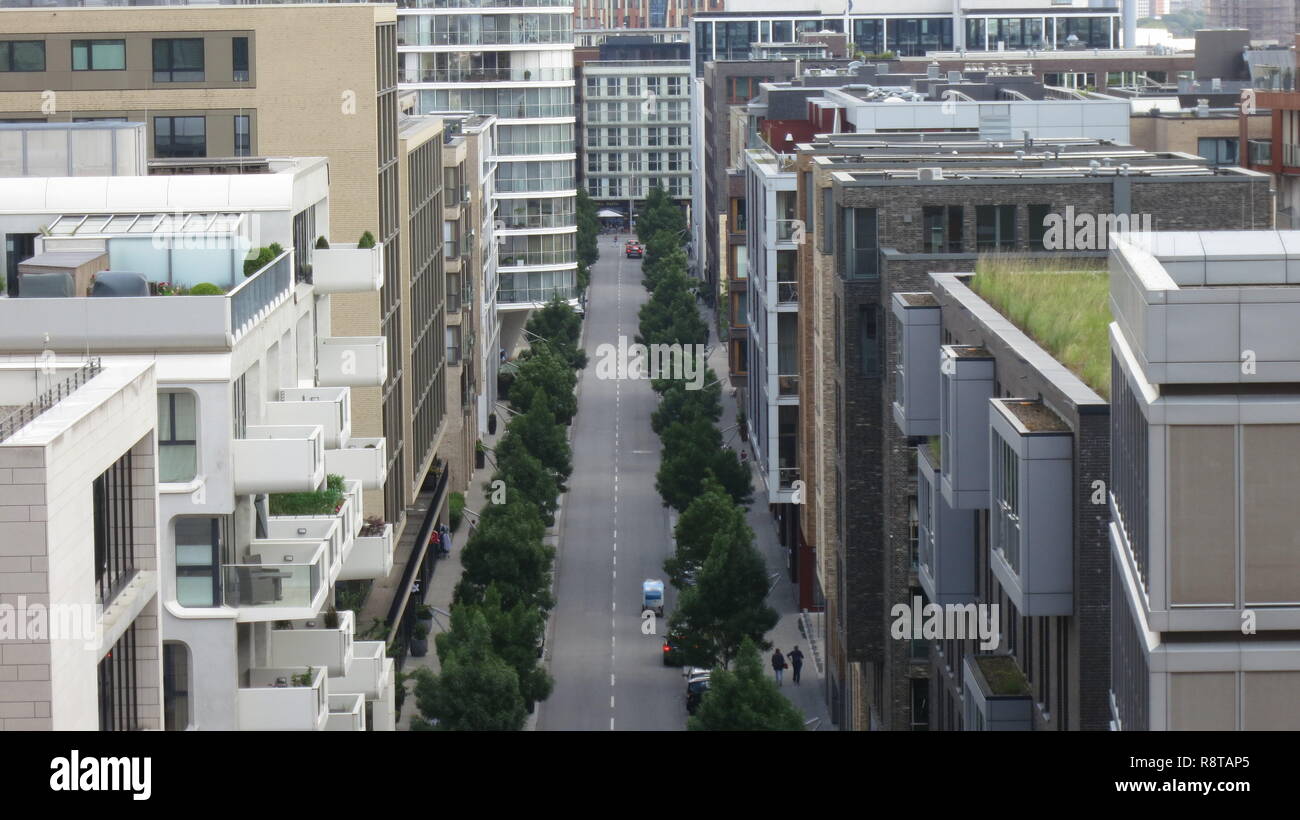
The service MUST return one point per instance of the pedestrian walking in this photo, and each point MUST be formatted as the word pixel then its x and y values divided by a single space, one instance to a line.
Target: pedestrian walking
pixel 778 666
pixel 435 542
pixel 445 537
pixel 796 662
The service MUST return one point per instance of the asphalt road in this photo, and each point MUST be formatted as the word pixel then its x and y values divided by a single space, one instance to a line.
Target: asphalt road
pixel 608 674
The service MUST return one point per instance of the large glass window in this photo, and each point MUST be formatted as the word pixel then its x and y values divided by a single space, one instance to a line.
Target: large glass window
pixel 22 55
pixel 243 136
pixel 869 326
pixel 176 686
pixel 98 55
pixel 1038 225
pixel 1218 150
pixel 180 137
pixel 861 250
pixel 199 545
pixel 995 227
pixel 1006 500
pixel 177 437
pixel 239 59
pixel 943 228
pixel 178 60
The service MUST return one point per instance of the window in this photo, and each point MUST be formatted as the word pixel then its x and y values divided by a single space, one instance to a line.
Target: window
pixel 1038 225
pixel 22 55
pixel 239 406
pixel 1006 498
pixel 180 137
pixel 943 228
pixel 1218 150
pixel 995 227
pixel 199 542
pixel 98 55
pixel 869 322
pixel 177 437
pixel 243 137
pixel 116 677
pixel 239 59
pixel 178 60
pixel 176 686
pixel 114 528
pixel 862 255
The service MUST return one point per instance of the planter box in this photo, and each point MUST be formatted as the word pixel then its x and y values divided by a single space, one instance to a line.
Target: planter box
pixel 348 269
pixel 988 711
pixel 278 459
pixel 358 461
pixel 352 361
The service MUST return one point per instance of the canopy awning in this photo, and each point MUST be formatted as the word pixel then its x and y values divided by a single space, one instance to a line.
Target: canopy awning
pixel 610 213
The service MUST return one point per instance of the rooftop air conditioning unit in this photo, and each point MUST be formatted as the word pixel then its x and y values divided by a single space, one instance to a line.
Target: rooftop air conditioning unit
pixel 929 174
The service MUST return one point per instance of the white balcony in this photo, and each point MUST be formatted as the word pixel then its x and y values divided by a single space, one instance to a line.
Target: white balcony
pixel 330 407
pixel 361 459
pixel 277 700
pixel 311 643
pixel 278 580
pixel 347 713
pixel 371 671
pixel 279 459
pixel 352 361
pixel 371 557
pixel 330 529
pixel 348 269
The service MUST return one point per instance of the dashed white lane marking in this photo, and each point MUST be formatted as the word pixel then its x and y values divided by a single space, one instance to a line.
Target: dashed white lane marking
pixel 611 724
pixel 611 701
pixel 611 680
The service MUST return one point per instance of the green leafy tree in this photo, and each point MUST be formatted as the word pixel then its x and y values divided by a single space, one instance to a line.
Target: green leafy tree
pixel 588 229
pixel 729 600
pixel 678 402
pixel 671 316
pixel 516 632
pixel 476 690
pixel 528 477
pixel 546 372
pixel 507 549
pixel 560 325
pixel 692 450
pixel 537 432
pixel 707 515
pixel 745 700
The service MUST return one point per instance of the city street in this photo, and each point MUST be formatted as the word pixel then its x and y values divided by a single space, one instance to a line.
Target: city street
pixel 608 675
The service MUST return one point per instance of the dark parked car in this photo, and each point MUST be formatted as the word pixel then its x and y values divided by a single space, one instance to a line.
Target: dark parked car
pixel 696 687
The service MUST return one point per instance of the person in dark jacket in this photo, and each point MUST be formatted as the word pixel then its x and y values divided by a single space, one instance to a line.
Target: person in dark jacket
pixel 778 666
pixel 796 663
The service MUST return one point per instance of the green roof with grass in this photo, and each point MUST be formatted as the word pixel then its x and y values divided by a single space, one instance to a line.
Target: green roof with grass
pixel 1062 305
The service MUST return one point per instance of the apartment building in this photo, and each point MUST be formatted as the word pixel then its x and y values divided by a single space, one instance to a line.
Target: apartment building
pixel 515 63
pixel 212 81
pixel 1203 444
pixel 636 131
pixel 1268 21
pixel 472 332
pixel 260 503
pixel 642 14
pixel 897 213
pixel 1276 152
pixel 911 27
pixel 81 645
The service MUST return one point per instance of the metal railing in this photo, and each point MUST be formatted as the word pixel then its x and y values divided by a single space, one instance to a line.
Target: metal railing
pixel 486 75
pixel 787 291
pixel 787 385
pixel 484 38
pixel 481 4
pixel 787 476
pixel 18 419
pixel 511 259
pixel 533 295
pixel 1261 152
pixel 260 291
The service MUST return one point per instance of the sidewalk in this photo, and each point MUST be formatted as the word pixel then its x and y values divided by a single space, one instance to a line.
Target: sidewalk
pixel 446 576
pixel 809 696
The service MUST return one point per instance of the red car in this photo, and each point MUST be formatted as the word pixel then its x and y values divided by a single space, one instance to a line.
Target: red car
pixel 634 250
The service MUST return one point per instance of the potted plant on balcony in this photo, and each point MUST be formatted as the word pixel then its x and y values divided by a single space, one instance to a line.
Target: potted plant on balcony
pixel 373 527
pixel 322 243
pixel 480 455
pixel 304 678
pixel 492 424
pixel 424 615
pixel 367 240
pixel 331 618
pixel 420 641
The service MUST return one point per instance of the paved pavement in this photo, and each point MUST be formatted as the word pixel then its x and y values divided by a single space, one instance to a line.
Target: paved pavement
pixel 615 533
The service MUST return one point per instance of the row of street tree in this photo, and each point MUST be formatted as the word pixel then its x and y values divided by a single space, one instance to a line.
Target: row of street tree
pixel 719 573
pixel 491 675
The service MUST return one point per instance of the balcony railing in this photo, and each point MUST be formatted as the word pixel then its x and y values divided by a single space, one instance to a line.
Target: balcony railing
pixel 19 418
pixel 787 476
pixel 278 459
pixel 1261 152
pixel 533 295
pixel 330 407
pixel 260 292
pixel 534 184
pixel 516 223
pixel 787 291
pixel 789 230
pixel 484 38
pixel 482 4
pixel 347 713
pixel 513 258
pixel 787 385
pixel 486 75
pixel 311 643
pixel 277 699
pixel 372 557
pixel 290 577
